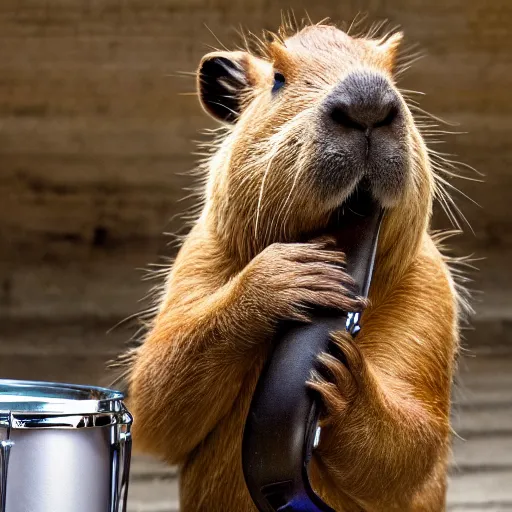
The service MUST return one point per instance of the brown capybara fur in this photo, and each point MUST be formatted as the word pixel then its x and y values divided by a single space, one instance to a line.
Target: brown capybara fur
pixel 291 152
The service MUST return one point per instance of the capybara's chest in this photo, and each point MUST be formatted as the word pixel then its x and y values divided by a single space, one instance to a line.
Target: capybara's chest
pixel 212 479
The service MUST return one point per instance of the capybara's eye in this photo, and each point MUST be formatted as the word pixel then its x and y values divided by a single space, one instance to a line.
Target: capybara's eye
pixel 279 81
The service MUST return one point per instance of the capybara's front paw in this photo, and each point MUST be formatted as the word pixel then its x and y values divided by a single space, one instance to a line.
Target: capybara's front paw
pixel 339 377
pixel 288 281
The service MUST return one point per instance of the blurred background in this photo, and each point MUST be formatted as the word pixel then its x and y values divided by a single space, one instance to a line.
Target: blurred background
pixel 95 144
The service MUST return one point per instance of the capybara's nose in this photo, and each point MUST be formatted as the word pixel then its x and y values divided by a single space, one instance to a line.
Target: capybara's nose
pixel 363 101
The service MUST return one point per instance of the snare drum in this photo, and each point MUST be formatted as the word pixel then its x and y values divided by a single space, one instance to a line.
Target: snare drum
pixel 64 448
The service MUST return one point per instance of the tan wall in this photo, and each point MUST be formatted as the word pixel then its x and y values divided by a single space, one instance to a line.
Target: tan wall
pixel 94 134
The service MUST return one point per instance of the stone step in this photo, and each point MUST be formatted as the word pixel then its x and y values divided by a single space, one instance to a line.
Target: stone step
pixel 490 491
pixel 153 486
pixel 153 496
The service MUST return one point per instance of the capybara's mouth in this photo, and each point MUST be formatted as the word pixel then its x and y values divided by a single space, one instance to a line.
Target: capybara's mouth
pixel 347 218
pixel 360 203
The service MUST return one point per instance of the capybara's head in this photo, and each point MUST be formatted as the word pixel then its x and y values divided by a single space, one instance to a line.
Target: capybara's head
pixel 311 120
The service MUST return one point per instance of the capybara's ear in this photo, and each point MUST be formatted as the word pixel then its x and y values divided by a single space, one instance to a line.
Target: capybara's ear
pixel 224 83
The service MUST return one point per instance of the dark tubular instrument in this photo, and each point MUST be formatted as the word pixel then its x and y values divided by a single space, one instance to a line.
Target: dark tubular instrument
pixel 281 426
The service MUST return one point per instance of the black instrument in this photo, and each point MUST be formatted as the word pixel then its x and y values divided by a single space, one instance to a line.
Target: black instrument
pixel 281 426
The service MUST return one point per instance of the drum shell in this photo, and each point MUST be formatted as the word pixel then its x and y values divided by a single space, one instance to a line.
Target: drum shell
pixel 54 470
pixel 63 448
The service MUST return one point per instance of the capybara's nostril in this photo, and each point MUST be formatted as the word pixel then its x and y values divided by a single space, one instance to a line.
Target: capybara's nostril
pixel 389 117
pixel 341 115
pixel 363 101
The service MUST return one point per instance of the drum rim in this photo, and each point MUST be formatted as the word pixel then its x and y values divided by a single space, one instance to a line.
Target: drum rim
pixel 82 399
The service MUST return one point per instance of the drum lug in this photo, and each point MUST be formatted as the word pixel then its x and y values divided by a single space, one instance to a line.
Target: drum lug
pixel 5 452
pixel 125 439
pixel 121 456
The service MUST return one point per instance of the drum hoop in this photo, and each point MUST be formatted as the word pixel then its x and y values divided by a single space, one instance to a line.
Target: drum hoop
pixel 105 401
pixel 20 420
pixel 65 406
